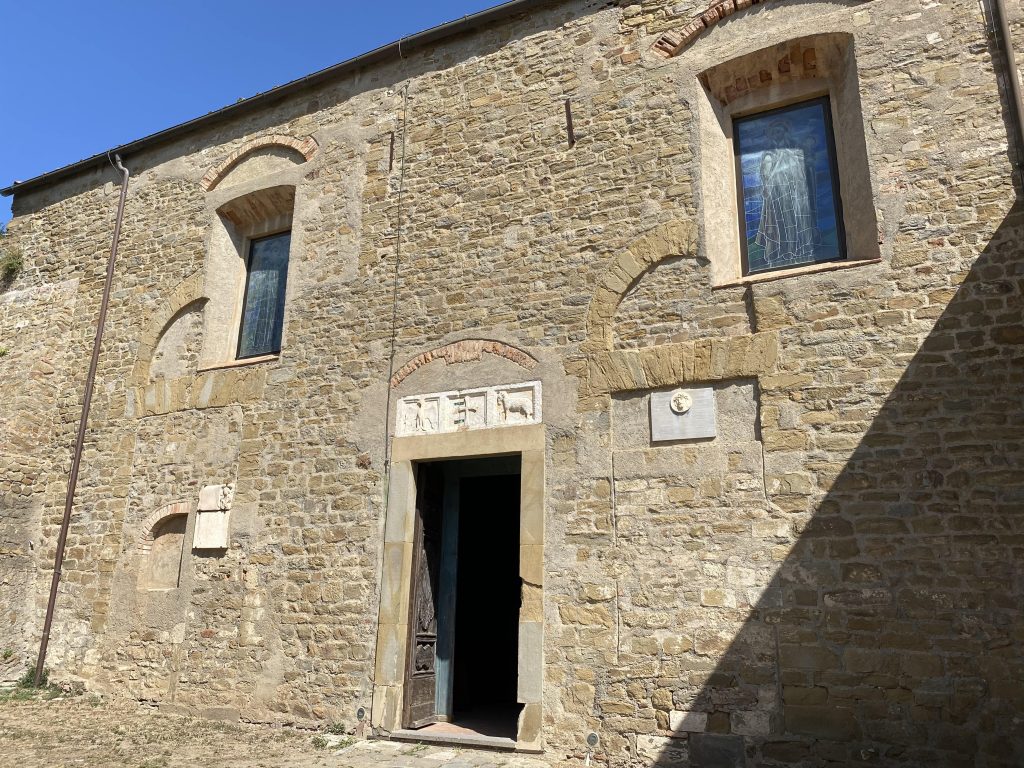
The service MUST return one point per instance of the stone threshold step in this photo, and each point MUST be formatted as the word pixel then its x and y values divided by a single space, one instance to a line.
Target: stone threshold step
pixel 460 739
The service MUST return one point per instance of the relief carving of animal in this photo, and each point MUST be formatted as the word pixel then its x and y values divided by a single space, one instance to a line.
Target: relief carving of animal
pixel 510 404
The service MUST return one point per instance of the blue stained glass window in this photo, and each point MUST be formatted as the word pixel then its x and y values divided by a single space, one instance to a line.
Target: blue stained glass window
pixel 789 188
pixel 263 307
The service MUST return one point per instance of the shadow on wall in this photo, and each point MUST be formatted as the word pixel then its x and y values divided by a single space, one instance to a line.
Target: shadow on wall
pixel 893 632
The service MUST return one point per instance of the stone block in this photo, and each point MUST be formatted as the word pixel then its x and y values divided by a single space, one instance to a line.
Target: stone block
pixel 712 750
pixel 211 530
pixel 531 662
pixel 807 657
pixel 531 608
pixel 682 721
pixel 662 751
pixel 531 563
pixel 224 714
pixel 528 728
pixel 822 722
pixel 786 752
pixel 216 497
pixel 401 513
pixel 394 598
pixel 751 723
pixel 794 694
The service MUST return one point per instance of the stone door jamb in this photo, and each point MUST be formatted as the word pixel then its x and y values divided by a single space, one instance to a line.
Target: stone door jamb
pixel 393 630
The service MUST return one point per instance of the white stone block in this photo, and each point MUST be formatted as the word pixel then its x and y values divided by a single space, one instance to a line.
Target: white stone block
pixel 466 409
pixel 213 497
pixel 211 530
pixel 209 497
pixel 660 750
pixel 683 721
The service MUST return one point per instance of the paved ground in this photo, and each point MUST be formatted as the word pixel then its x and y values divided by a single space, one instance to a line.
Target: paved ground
pixel 85 732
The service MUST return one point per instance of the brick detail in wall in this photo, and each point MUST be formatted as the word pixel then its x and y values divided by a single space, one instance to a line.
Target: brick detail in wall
pixel 154 518
pixel 673 42
pixel 464 351
pixel 732 80
pixel 306 147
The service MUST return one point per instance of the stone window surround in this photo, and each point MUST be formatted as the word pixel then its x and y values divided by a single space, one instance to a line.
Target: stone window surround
pixel 392 630
pixel 835 75
pixel 240 214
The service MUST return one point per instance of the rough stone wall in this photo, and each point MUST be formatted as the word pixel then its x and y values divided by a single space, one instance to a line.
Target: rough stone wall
pixel 34 354
pixel 674 302
pixel 836 578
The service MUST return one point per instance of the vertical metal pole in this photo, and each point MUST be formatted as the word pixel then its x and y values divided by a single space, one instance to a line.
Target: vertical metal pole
pixel 76 460
pixel 570 132
pixel 1013 81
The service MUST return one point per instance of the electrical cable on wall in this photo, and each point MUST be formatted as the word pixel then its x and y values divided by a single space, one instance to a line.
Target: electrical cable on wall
pixel 394 292
pixel 394 341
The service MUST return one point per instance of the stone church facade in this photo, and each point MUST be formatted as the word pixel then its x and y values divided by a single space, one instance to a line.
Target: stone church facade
pixel 471 328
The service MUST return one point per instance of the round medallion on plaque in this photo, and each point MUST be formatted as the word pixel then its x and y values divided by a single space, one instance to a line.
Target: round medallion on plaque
pixel 681 401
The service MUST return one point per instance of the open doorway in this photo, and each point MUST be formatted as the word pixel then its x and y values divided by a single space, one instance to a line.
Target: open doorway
pixel 462 672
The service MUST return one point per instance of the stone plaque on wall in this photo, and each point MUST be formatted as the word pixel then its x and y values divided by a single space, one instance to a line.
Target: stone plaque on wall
pixel 211 529
pixel 479 408
pixel 212 517
pixel 683 414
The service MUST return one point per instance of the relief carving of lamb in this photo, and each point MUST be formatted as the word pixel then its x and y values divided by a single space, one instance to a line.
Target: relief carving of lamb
pixel 509 404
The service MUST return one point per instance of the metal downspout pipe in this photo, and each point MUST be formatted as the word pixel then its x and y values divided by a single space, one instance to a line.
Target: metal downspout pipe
pixel 1013 79
pixel 76 460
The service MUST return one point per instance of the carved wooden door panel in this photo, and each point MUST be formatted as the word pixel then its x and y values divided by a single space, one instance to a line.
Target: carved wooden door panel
pixel 421 672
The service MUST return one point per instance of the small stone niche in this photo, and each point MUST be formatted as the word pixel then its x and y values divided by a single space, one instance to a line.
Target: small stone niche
pixel 162 567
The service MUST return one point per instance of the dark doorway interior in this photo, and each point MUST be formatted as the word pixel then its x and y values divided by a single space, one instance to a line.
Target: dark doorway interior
pixel 463 666
pixel 487 605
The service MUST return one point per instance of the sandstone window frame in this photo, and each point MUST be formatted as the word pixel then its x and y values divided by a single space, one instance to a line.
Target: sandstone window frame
pixel 768 78
pixel 238 221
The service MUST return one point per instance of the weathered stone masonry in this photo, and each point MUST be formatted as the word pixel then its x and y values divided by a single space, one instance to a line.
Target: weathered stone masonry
pixel 836 578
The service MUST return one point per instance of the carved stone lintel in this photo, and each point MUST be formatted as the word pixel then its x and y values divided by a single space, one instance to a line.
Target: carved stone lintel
pixel 467 409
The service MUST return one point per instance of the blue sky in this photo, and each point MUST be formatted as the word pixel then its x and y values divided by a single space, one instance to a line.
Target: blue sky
pixel 82 77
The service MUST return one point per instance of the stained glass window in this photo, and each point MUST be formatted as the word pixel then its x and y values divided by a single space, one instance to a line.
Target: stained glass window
pixel 789 187
pixel 263 307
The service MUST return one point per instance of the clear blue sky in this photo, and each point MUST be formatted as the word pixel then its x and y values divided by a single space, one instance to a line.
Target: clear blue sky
pixel 66 94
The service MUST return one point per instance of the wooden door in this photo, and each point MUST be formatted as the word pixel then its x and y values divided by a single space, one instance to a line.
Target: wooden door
pixel 420 707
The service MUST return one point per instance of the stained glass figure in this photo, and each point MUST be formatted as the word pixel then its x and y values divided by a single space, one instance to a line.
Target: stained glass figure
pixel 263 308
pixel 789 187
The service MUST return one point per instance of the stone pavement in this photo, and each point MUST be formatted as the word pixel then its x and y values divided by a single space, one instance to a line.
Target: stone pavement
pixel 87 732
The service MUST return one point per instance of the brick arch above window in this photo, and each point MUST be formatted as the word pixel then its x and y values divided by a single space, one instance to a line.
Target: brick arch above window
pixel 162 547
pixel 673 42
pixel 306 147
